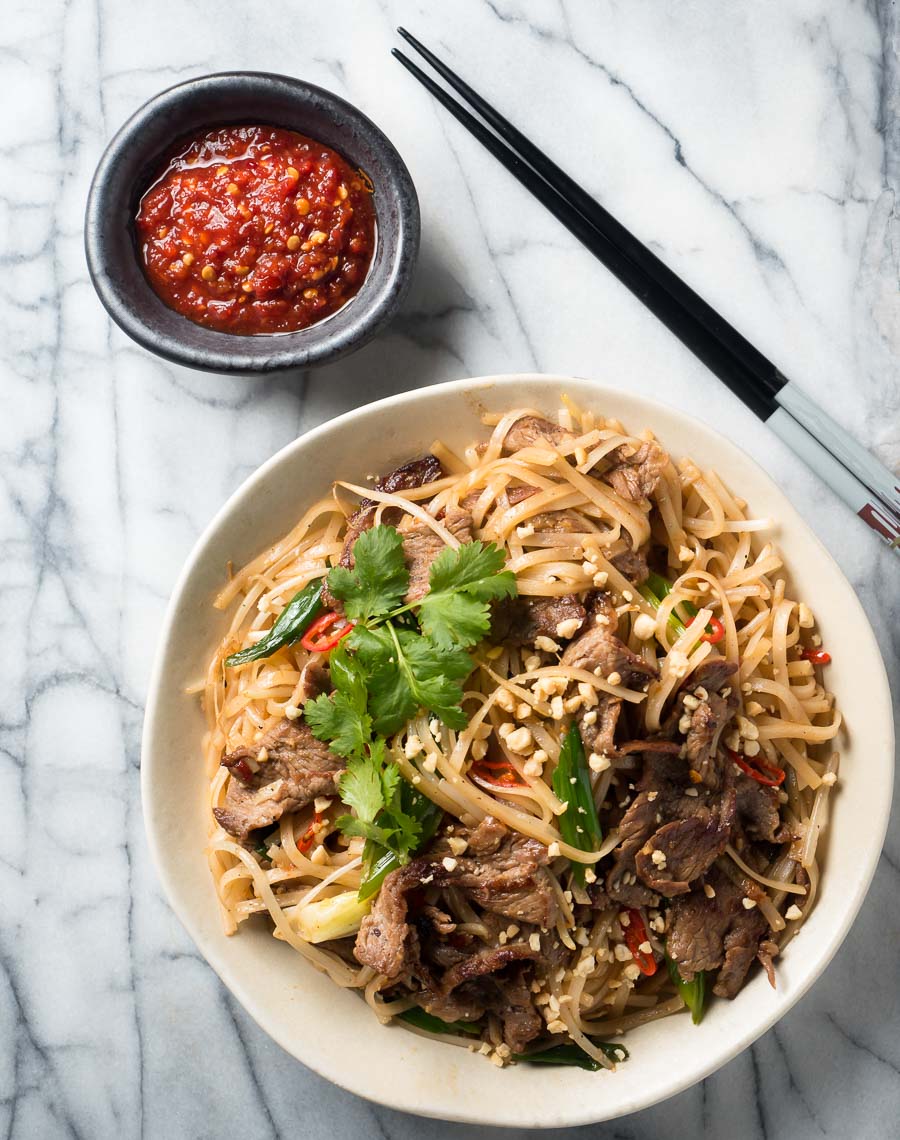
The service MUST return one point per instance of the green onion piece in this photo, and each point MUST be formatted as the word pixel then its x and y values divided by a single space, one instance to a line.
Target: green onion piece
pixel 655 589
pixel 379 861
pixel 417 1016
pixel 574 1056
pixel 292 623
pixel 578 825
pixel 694 992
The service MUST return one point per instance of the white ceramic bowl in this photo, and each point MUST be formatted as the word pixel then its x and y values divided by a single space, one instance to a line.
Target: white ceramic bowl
pixel 332 1030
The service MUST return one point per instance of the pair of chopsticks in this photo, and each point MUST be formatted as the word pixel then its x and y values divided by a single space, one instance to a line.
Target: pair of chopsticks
pixel 866 485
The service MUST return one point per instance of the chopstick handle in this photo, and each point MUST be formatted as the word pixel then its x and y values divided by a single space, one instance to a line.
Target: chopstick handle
pixel 869 470
pixel 842 481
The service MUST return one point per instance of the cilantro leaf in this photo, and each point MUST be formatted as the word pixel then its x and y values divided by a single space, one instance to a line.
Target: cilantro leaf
pixel 379 577
pixel 454 619
pixel 455 610
pixel 434 674
pixel 338 722
pixel 361 787
pixel 373 832
pixel 348 676
pixel 341 720
pixel 390 781
pixel 407 672
pixel 476 568
pixel 391 699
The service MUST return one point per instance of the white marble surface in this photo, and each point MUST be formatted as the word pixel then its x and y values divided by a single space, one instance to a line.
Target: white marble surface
pixel 756 146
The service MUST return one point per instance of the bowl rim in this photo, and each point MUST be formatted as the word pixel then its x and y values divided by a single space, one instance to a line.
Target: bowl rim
pixel 312 346
pixel 395 1098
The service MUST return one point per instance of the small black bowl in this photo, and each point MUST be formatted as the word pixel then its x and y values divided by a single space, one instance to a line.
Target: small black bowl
pixel 132 160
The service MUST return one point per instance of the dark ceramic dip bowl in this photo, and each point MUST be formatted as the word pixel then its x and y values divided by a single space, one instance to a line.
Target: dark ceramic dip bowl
pixel 132 160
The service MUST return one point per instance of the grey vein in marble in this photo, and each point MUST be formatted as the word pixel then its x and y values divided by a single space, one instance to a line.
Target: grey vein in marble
pixel 755 147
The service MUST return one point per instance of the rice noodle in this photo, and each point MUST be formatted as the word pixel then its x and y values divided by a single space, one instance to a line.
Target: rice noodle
pixel 566 531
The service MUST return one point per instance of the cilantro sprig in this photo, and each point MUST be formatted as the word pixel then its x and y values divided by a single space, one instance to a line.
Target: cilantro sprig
pixel 399 659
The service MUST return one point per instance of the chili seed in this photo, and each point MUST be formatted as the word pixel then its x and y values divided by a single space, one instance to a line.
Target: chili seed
pixel 293 242
pixel 292 172
pixel 310 294
pixel 232 188
pixel 208 273
pixel 302 205
pixel 187 258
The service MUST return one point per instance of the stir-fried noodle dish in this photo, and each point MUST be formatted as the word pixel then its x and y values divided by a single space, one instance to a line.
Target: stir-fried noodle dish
pixel 529 745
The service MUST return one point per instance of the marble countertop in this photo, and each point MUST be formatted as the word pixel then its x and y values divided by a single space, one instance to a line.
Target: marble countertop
pixel 755 147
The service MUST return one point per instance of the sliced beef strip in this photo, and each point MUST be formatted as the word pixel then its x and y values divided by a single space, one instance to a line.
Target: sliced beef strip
pixel 639 822
pixel 712 675
pixel 505 874
pixel 559 522
pixel 421 545
pixel 691 830
pixel 599 647
pixel 531 430
pixel 519 494
pixel 386 941
pixel 485 838
pixel 518 621
pixel 708 721
pixel 599 735
pixel 493 980
pixel 457 982
pixel 689 846
pixel 717 933
pixel 298 769
pixel 758 811
pixel 315 677
pixel 635 476
pixel 632 564
pixel 407 477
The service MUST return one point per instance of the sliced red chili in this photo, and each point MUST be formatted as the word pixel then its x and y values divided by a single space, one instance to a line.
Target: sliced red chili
pixel 715 631
pixel 817 656
pixel 318 640
pixel 763 773
pixel 308 838
pixel 496 774
pixel 635 938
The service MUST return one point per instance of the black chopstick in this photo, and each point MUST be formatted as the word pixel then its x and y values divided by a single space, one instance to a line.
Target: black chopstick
pixel 868 487
pixel 667 308
pixel 767 377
